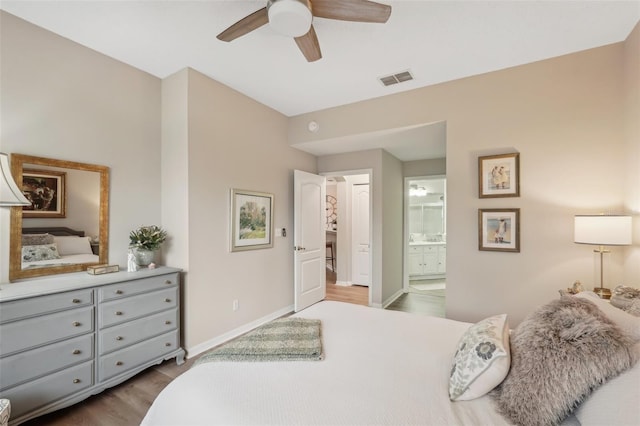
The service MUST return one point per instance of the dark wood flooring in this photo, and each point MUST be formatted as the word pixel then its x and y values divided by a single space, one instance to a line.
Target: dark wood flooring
pixel 430 302
pixel 127 403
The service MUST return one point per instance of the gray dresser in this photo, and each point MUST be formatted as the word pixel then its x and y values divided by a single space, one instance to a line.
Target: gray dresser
pixel 67 337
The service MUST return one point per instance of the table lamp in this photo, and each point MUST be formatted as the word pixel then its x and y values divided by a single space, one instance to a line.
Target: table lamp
pixel 10 194
pixel 602 230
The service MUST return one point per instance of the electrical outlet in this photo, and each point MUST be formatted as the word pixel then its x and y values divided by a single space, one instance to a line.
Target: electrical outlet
pixel 236 305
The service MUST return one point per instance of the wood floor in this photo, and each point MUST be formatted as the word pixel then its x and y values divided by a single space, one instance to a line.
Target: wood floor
pixel 127 403
pixel 122 405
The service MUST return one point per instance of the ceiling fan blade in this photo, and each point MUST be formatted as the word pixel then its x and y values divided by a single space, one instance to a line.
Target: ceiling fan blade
pixel 309 45
pixel 351 10
pixel 245 25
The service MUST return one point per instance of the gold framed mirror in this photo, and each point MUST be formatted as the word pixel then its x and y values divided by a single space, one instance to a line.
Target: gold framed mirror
pixel 69 200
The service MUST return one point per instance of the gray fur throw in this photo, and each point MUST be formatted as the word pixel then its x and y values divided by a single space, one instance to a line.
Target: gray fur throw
pixel 559 355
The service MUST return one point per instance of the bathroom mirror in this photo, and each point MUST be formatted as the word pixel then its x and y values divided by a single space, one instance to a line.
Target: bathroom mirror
pixel 66 229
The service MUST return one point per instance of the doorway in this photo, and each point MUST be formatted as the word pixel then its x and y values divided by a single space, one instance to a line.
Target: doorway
pixel 425 239
pixel 348 236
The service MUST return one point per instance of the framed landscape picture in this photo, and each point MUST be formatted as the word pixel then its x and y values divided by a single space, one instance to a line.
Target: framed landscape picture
pixel 499 176
pixel 499 230
pixel 46 191
pixel 251 220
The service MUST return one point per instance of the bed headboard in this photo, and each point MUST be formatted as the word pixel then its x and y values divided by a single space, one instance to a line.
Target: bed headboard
pixel 59 231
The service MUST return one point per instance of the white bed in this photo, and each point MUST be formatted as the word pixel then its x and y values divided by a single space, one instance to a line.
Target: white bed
pixel 380 367
pixel 56 246
pixel 387 367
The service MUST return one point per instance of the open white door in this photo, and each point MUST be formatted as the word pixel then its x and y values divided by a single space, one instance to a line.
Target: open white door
pixel 309 238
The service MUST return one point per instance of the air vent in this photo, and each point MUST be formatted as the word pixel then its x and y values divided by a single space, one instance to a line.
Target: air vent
pixel 400 77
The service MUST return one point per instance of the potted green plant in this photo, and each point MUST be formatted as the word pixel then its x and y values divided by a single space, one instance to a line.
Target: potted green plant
pixel 145 241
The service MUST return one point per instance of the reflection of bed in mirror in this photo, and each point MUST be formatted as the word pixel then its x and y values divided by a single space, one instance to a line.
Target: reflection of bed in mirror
pixel 55 246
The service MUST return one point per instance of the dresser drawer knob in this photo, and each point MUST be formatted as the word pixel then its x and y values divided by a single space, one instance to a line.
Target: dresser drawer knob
pixel 119 362
pixel 118 313
pixel 167 322
pixel 167 300
pixel 76 324
pixel 168 282
pixel 77 351
pixel 119 291
pixel 167 344
pixel 75 301
pixel 76 380
pixel 119 337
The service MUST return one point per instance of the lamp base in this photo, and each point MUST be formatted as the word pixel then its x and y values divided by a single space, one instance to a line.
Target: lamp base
pixel 604 293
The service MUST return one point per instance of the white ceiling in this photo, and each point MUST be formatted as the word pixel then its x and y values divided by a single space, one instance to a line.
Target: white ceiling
pixel 437 40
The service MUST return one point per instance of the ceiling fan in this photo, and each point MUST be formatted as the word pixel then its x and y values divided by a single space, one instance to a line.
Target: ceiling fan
pixel 294 18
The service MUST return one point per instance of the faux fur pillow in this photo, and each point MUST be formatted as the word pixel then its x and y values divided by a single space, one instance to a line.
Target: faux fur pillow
pixel 559 355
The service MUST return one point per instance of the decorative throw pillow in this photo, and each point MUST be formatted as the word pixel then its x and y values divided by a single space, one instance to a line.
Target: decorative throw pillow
pixel 36 239
pixel 627 322
pixel 73 245
pixel 559 355
pixel 39 252
pixel 482 359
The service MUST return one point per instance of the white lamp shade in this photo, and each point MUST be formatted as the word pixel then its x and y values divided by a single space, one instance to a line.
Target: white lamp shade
pixel 603 230
pixel 290 17
pixel 10 194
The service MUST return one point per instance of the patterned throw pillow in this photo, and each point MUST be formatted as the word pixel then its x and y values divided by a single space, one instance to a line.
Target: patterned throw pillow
pixel 40 252
pixel 482 360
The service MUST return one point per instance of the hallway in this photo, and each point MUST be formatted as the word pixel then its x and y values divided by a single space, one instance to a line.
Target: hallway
pixel 427 302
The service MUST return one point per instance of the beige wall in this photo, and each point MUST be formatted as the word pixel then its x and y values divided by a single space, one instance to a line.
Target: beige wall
pixel 437 166
pixel 565 118
pixel 176 147
pixel 233 142
pixel 632 152
pixel 61 100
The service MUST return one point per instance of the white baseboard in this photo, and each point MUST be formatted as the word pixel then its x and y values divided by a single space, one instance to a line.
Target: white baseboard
pixel 344 283
pixel 205 346
pixel 393 298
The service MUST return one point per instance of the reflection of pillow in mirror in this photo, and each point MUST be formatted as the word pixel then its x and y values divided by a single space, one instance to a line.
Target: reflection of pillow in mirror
pixel 39 252
pixel 73 245
pixel 36 239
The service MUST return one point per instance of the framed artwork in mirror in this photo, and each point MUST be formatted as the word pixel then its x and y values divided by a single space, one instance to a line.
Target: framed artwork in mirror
pixel 251 220
pixel 46 191
pixel 499 176
pixel 499 230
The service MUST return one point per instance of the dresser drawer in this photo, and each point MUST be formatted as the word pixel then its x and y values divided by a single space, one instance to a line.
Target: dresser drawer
pixel 121 361
pixel 43 304
pixel 49 389
pixel 28 365
pixel 119 336
pixel 129 288
pixel 32 332
pixel 121 310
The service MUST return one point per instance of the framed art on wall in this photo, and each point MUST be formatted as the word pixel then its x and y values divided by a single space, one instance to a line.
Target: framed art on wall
pixel 499 176
pixel 499 230
pixel 46 191
pixel 251 220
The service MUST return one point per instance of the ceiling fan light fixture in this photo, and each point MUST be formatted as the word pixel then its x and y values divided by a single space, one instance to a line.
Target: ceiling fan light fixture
pixel 290 17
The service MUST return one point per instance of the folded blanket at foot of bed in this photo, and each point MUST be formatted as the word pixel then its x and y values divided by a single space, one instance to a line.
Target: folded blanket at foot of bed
pixel 285 339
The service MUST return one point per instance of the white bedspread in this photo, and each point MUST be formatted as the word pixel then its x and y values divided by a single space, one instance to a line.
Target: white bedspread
pixel 381 368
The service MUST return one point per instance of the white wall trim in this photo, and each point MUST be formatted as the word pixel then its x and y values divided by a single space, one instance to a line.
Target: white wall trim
pixel 392 298
pixel 344 283
pixel 205 346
